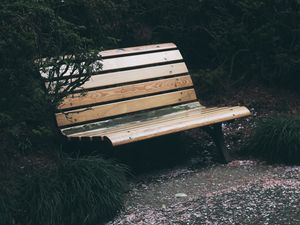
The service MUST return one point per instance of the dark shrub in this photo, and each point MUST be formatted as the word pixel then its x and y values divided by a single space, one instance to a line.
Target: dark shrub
pixel 250 39
pixel 277 139
pixel 30 30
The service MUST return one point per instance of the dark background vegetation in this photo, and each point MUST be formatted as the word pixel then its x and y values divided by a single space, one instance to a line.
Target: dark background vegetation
pixel 226 43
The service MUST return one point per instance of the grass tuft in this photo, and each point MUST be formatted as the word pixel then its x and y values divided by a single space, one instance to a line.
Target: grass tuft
pixel 7 205
pixel 79 191
pixel 277 140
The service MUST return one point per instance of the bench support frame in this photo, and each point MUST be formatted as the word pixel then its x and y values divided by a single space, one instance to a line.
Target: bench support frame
pixel 216 133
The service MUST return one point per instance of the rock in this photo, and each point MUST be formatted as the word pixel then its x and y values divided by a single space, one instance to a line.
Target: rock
pixel 180 195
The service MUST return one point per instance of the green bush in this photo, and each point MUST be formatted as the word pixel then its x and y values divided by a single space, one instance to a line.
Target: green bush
pixel 102 21
pixel 276 140
pixel 250 39
pixel 210 81
pixel 79 191
pixel 30 30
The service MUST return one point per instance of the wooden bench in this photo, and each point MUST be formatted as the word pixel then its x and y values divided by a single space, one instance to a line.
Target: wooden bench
pixel 141 92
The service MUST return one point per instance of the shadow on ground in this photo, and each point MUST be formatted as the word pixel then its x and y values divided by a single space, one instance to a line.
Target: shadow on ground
pixel 154 154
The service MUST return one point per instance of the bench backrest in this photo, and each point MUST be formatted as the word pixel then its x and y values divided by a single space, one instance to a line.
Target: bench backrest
pixel 131 80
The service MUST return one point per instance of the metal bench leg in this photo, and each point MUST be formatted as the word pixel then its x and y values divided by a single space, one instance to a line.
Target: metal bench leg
pixel 216 133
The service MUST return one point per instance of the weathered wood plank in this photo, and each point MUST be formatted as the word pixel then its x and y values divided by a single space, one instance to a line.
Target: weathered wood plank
pixel 141 60
pixel 102 80
pixel 138 116
pixel 191 114
pixel 134 50
pixel 119 108
pixel 138 49
pixel 146 122
pixel 128 62
pixel 119 138
pixel 126 91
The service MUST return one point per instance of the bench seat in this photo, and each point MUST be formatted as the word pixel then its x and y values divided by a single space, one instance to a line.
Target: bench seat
pixel 148 125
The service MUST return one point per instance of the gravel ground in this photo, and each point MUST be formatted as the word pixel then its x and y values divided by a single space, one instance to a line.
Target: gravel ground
pixel 242 192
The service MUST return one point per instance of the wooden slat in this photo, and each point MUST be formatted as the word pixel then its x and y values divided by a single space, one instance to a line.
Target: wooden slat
pixel 134 50
pixel 133 61
pixel 141 60
pixel 137 116
pixel 108 110
pixel 142 123
pixel 127 91
pixel 138 49
pixel 168 127
pixel 134 75
pixel 136 124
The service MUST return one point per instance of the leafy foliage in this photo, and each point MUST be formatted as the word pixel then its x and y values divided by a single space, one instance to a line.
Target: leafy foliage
pixel 103 22
pixel 277 139
pixel 32 30
pixel 250 39
pixel 211 80
pixel 65 74
pixel 78 191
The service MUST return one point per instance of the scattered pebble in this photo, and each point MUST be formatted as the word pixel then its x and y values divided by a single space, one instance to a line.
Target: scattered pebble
pixel 180 195
pixel 273 197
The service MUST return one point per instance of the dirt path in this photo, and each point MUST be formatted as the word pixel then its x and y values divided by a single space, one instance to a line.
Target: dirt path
pixel 242 192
